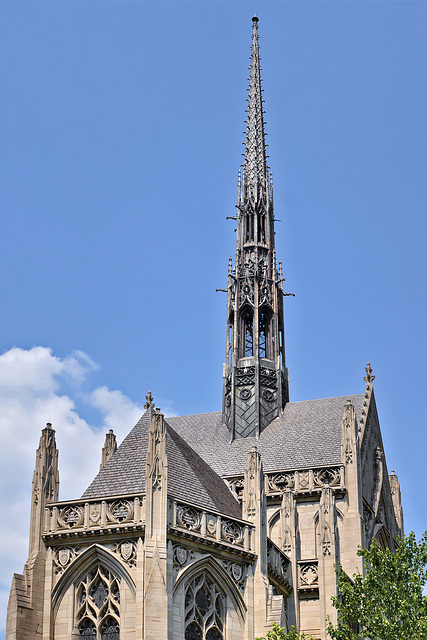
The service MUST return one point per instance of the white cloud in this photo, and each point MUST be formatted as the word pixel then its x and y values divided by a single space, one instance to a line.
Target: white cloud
pixel 31 382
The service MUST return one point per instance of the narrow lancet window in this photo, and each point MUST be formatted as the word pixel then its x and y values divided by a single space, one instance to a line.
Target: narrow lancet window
pixel 263 334
pixel 249 235
pixel 248 334
pixel 261 229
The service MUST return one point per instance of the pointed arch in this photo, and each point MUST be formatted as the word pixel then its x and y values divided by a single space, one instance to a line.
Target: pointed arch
pixel 87 560
pixel 273 520
pixel 209 565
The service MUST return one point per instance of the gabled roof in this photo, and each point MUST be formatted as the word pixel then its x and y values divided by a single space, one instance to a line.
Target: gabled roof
pixel 308 434
pixel 190 478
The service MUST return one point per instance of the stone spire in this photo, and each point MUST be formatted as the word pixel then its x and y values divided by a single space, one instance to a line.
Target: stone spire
pixel 45 484
pixel 255 375
pixel 255 165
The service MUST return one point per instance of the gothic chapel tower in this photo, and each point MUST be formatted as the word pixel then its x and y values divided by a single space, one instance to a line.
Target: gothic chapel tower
pixel 255 376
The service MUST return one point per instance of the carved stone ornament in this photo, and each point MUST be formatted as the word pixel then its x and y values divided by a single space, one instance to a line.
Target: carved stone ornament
pixel 231 532
pixel 326 541
pixel 181 555
pixel 309 574
pixel 268 395
pixel 211 525
pixel 268 378
pixel 64 556
pixel 94 513
pixel 237 571
pixel 281 481
pixel 126 550
pixel 251 504
pixel 245 376
pixel 71 517
pixel 303 479
pixel 120 511
pixel 327 477
pixel 245 394
pixel 188 517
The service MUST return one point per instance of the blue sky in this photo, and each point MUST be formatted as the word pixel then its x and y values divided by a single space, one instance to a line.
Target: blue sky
pixel 122 128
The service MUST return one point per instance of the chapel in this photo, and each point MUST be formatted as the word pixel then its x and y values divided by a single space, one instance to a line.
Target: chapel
pixel 213 526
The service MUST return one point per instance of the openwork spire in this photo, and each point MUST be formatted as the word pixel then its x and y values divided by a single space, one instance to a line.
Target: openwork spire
pixel 255 374
pixel 255 165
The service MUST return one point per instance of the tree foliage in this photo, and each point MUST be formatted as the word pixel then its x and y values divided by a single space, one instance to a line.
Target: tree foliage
pixel 280 633
pixel 388 602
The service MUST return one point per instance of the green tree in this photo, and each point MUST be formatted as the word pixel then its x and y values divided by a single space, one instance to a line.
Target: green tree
pixel 388 602
pixel 279 633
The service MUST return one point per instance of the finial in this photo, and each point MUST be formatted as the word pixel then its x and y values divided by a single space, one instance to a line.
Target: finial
pixel 48 425
pixel 149 399
pixel 255 19
pixel 369 377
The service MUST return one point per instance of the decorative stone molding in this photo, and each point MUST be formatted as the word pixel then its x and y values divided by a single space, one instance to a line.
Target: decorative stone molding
pixel 120 511
pixel 209 525
pixel 93 516
pixel 126 550
pixel 280 481
pixel 64 556
pixel 238 572
pixel 328 477
pixel 308 575
pixel 232 532
pixel 188 517
pixel 300 481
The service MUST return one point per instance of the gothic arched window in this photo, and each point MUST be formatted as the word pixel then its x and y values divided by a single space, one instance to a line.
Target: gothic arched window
pixel 261 228
pixel 264 322
pixel 247 334
pixel 204 610
pixel 249 231
pixel 98 606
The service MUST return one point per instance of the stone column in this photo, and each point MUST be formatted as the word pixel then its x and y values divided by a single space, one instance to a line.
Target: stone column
pixel 327 556
pixel 352 526
pixel 155 564
pixel 254 509
pixel 288 522
pixel 27 613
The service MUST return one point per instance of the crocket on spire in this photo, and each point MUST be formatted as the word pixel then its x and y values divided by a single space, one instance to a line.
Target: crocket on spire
pixel 255 164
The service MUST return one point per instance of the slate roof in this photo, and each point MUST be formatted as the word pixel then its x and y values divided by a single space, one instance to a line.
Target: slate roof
pixel 190 478
pixel 307 435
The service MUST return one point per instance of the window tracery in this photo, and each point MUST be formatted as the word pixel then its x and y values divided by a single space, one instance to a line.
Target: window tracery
pixel 98 606
pixel 204 610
